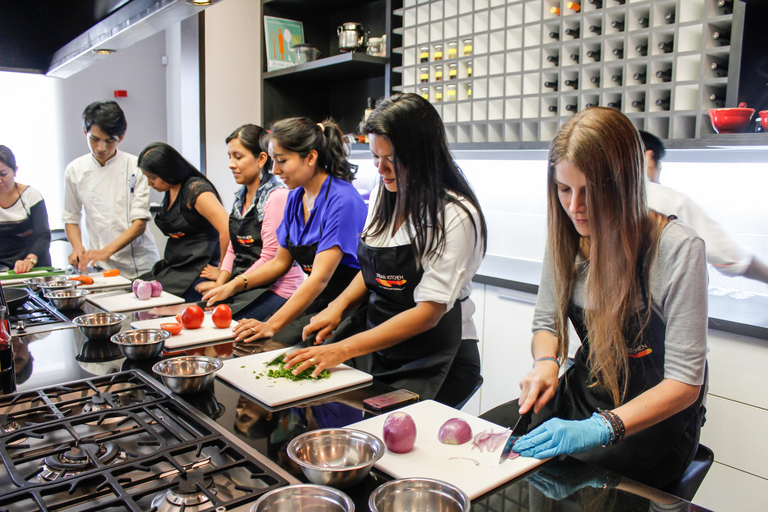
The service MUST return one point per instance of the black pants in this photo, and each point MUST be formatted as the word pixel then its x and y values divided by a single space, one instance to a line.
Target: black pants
pixel 463 375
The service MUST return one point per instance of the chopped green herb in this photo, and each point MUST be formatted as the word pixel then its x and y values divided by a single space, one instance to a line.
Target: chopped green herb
pixel 283 372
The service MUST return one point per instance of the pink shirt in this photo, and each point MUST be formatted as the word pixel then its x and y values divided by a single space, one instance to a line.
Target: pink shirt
pixel 273 216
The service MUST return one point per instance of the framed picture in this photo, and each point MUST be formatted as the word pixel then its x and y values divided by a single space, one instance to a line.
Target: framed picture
pixel 281 34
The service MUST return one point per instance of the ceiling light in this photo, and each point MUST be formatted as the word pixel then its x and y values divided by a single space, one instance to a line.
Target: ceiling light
pixel 200 2
pixel 102 51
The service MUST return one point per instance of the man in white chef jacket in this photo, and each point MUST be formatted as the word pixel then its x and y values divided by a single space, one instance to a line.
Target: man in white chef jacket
pixel 723 252
pixel 109 186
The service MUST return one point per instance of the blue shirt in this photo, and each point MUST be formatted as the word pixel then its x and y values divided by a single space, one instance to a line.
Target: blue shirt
pixel 336 220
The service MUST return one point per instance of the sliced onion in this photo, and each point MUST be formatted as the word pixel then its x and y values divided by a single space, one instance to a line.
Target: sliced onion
pixel 144 291
pixel 157 288
pixel 399 432
pixel 489 441
pixel 455 431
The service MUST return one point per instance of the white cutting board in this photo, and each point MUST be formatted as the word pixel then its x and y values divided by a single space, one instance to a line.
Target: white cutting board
pixel 240 373
pixel 24 277
pixel 99 281
pixel 432 459
pixel 129 302
pixel 188 337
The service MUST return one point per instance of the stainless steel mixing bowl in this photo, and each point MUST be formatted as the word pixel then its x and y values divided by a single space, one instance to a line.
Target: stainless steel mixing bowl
pixel 69 298
pixel 58 284
pixel 418 495
pixel 141 343
pixel 33 283
pixel 188 374
pixel 99 326
pixel 303 498
pixel 339 457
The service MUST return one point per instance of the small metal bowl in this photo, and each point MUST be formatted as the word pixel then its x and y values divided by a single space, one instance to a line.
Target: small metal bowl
pixel 99 326
pixel 58 284
pixel 141 343
pixel 298 498
pixel 339 457
pixel 33 283
pixel 69 298
pixel 418 495
pixel 188 374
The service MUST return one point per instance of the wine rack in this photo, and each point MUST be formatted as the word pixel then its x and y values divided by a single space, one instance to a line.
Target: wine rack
pixel 523 67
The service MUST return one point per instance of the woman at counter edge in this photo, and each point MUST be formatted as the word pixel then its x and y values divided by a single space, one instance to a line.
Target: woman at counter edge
pixel 423 242
pixel 634 285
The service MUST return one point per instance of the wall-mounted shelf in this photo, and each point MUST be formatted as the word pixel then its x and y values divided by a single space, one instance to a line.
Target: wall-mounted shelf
pixel 332 69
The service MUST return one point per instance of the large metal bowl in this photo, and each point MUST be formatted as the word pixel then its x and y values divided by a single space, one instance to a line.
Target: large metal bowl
pixel 418 495
pixel 141 343
pixel 303 498
pixel 58 284
pixel 69 298
pixel 33 283
pixel 99 326
pixel 339 457
pixel 188 374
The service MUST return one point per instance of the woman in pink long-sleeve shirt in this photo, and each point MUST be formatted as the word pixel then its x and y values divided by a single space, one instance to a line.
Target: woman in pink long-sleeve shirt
pixel 256 214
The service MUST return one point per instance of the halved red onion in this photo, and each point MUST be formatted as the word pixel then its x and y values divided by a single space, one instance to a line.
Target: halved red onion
pixel 144 291
pixel 455 431
pixel 399 432
pixel 136 283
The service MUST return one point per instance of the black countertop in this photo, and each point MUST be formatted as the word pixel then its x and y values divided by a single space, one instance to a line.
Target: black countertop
pixel 746 316
pixel 560 484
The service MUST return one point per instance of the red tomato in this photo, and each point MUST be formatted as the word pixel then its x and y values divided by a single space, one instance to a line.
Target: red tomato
pixel 196 351
pixel 192 317
pixel 172 328
pixel 224 349
pixel 222 316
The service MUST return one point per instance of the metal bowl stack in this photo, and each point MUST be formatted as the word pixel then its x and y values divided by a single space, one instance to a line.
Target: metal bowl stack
pixel 418 495
pixel 188 374
pixel 99 326
pixel 57 284
pixel 339 457
pixel 68 298
pixel 141 344
pixel 33 283
pixel 297 498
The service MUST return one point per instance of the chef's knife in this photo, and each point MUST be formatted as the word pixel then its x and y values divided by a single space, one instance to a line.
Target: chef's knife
pixel 293 349
pixel 518 430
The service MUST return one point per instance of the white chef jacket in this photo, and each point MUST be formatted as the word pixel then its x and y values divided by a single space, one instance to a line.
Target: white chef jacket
pixel 113 197
pixel 722 252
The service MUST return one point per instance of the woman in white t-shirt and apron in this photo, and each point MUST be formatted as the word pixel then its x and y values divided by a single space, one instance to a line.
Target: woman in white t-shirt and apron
pixel 423 242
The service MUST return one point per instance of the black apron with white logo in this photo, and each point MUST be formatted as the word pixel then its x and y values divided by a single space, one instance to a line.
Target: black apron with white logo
pixel 18 238
pixel 192 244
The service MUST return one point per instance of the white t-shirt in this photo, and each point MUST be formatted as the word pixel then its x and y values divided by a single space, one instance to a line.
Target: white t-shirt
pixel 446 277
pixel 113 197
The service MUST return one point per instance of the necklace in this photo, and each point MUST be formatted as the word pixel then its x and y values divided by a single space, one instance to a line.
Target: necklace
pixel 309 202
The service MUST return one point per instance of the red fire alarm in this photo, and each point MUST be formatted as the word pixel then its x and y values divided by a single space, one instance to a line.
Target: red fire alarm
pixel 121 94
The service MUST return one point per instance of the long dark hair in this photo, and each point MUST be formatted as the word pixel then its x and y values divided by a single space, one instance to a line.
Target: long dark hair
pixel 250 136
pixel 7 157
pixel 301 135
pixel 424 169
pixel 167 164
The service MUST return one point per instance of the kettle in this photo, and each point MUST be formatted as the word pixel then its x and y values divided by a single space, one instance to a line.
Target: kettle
pixel 352 37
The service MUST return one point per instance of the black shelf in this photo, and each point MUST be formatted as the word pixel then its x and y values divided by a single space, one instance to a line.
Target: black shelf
pixel 332 69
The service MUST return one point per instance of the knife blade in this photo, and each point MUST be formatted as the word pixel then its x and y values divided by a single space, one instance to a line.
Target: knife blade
pixel 293 349
pixel 518 430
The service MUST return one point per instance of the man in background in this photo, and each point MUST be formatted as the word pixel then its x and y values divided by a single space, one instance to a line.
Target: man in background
pixel 723 252
pixel 109 186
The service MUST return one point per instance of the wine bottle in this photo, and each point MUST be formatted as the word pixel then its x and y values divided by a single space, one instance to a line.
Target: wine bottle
pixel 575 57
pixel 664 74
pixel 618 25
pixel 639 105
pixel 555 35
pixel 718 103
pixel 550 85
pixel 554 59
pixel 640 77
pixel 726 6
pixel 555 11
pixel 573 6
pixel 614 104
pixel 596 29
pixel 720 70
pixel 595 79
pixel 715 97
pixel 597 3
pixel 669 17
pixel 663 103
pixel 666 46
pixel 621 2
pixel 587 105
pixel 721 38
pixel 642 49
pixel 642 21
pixel 618 52
pixel 7 372
pixel 616 79
pixel 570 108
pixel 552 108
pixel 573 32
pixel 594 54
pixel 572 83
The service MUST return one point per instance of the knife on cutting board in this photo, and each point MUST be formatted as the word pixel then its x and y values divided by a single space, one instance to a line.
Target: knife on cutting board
pixel 518 430
pixel 293 349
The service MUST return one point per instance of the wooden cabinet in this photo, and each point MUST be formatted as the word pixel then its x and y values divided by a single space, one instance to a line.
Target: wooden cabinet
pixel 337 84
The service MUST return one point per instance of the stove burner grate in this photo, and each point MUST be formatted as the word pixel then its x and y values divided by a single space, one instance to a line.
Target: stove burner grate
pixel 79 459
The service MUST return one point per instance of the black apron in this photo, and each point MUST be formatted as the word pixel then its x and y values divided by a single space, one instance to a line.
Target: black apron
pixel 304 255
pixel 420 363
pixel 18 239
pixel 192 244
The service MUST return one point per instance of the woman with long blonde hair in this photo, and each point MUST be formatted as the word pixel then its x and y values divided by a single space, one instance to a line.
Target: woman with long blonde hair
pixel 634 285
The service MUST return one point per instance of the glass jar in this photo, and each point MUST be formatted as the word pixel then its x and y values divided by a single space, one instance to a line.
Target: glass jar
pixel 439 93
pixel 467 47
pixel 469 90
pixel 438 73
pixel 424 54
pixel 424 91
pixel 469 69
pixel 453 71
pixel 450 93
pixel 423 75
pixel 437 52
pixel 453 50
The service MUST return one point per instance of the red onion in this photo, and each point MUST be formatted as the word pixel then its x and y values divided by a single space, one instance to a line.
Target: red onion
pixel 399 432
pixel 144 291
pixel 136 283
pixel 157 288
pixel 489 441
pixel 455 431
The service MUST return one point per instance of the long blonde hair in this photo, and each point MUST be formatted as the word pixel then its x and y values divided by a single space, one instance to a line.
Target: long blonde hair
pixel 604 145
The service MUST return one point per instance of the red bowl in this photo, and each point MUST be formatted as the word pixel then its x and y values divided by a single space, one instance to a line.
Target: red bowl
pixel 764 118
pixel 731 120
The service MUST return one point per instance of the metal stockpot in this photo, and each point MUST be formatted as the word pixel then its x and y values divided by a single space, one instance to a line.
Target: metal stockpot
pixel 352 37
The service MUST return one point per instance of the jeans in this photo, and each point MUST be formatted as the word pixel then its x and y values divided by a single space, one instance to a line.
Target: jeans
pixel 262 308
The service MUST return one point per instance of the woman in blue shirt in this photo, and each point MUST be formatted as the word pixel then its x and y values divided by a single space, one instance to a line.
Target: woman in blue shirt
pixel 324 217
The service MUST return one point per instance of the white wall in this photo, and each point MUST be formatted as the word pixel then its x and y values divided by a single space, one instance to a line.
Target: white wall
pixel 232 82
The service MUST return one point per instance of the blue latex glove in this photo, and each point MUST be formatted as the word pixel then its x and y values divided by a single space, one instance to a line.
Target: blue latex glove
pixel 557 437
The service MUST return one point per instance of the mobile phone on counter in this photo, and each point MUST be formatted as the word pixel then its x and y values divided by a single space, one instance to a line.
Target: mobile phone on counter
pixel 390 401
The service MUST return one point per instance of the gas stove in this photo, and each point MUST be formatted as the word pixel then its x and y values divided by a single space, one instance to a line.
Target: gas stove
pixel 36 315
pixel 121 443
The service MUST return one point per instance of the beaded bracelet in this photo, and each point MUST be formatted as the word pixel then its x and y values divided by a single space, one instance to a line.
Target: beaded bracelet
pixel 617 426
pixel 611 432
pixel 548 358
